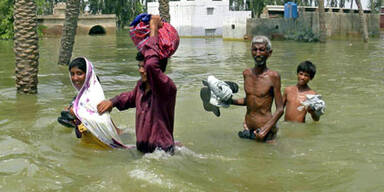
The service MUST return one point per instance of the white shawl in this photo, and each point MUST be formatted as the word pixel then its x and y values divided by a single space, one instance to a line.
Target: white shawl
pixel 85 109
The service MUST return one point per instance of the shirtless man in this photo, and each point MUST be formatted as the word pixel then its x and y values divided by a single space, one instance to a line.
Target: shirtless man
pixel 294 95
pixel 261 86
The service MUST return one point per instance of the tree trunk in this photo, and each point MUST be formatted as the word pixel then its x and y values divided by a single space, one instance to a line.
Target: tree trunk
pixel 26 41
pixel 69 31
pixel 363 22
pixel 323 28
pixel 164 10
pixel 251 7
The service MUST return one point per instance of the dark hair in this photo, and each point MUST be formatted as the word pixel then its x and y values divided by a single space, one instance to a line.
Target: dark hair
pixel 79 63
pixel 139 56
pixel 308 67
pixel 163 62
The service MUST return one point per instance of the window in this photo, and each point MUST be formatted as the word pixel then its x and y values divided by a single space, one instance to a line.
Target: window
pixel 210 32
pixel 210 11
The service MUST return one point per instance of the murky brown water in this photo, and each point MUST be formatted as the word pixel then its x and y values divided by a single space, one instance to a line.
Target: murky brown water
pixel 343 152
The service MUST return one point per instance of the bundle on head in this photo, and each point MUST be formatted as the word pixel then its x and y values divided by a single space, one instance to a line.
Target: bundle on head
pixel 167 34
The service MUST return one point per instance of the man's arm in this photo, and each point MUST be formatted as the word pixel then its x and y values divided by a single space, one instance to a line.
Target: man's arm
pixel 279 108
pixel 123 101
pixel 241 102
pixel 158 80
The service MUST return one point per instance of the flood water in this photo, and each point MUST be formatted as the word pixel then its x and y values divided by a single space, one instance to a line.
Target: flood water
pixel 342 152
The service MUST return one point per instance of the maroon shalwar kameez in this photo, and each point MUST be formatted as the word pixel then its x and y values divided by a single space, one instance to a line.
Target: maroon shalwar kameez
pixel 154 109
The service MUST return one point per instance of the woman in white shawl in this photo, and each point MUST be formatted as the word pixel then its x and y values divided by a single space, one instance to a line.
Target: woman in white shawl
pixel 91 126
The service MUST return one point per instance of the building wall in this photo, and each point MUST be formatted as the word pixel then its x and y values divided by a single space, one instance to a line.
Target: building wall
pixel 193 18
pixel 235 25
pixel 53 24
pixel 307 25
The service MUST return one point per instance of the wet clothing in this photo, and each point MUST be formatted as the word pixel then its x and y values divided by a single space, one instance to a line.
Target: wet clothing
pixel 154 109
pixel 217 93
pixel 315 102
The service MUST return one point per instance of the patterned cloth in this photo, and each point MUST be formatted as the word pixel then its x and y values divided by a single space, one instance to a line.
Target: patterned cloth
pixel 85 109
pixel 168 36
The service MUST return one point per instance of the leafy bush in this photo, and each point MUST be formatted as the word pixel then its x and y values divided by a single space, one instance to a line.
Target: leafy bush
pixel 6 18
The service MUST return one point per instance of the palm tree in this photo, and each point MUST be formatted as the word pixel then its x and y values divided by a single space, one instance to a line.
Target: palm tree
pixel 164 10
pixel 363 22
pixel 26 46
pixel 323 28
pixel 69 31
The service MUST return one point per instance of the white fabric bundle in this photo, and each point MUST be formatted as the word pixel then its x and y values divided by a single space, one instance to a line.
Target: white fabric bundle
pixel 314 102
pixel 220 92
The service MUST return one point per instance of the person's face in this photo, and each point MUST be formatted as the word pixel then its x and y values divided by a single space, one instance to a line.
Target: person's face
pixel 260 53
pixel 303 78
pixel 142 72
pixel 77 77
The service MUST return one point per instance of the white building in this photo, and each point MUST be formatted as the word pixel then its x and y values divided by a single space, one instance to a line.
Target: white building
pixel 200 18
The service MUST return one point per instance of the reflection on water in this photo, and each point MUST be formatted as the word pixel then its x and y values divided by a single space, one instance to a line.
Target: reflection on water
pixel 343 152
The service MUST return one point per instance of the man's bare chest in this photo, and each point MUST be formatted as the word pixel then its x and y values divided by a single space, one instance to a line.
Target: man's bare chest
pixel 259 87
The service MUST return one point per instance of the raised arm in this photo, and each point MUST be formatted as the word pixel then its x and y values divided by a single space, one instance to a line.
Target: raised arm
pixel 279 108
pixel 157 79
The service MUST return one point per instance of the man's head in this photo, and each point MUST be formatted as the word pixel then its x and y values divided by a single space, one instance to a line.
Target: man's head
pixel 261 49
pixel 143 74
pixel 140 58
pixel 306 71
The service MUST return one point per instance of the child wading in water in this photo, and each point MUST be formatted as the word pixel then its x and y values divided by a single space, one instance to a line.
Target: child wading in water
pixel 294 96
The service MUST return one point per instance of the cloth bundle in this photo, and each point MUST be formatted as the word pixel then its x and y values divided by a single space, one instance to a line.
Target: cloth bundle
pixel 85 109
pixel 314 102
pixel 168 36
pixel 217 93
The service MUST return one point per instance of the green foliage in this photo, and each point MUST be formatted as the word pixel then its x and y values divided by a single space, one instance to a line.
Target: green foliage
pixel 40 6
pixel 40 29
pixel 257 6
pixel 6 18
pixel 375 5
pixel 45 7
pixel 125 10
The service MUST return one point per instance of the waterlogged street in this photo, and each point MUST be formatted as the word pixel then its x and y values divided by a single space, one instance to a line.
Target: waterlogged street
pixel 342 152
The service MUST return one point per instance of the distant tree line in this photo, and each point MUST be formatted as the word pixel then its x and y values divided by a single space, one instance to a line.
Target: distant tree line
pixel 126 10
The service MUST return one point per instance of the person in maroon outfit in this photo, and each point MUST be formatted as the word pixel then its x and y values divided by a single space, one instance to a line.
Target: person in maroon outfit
pixel 153 97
